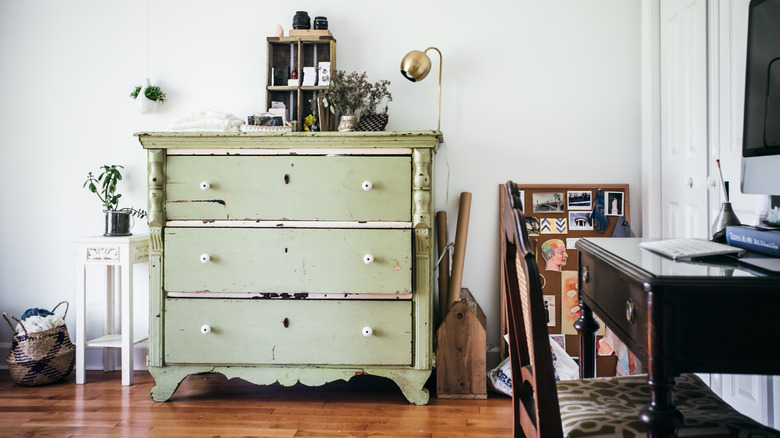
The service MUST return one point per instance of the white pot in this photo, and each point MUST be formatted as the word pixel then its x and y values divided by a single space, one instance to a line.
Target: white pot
pixel 347 123
pixel 146 106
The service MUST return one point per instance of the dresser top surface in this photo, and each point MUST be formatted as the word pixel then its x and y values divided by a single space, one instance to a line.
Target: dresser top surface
pixel 378 139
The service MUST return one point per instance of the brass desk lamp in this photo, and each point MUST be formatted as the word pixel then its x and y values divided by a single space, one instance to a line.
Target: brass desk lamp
pixel 416 65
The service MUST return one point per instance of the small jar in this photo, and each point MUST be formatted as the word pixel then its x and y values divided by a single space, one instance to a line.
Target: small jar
pixel 301 20
pixel 320 22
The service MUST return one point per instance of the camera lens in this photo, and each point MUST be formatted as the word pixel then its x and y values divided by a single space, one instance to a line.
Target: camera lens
pixel 320 22
pixel 301 20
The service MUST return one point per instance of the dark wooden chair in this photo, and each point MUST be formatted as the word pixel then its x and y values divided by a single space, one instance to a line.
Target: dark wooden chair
pixel 600 407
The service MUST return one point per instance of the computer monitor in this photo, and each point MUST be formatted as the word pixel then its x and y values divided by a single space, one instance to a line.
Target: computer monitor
pixel 761 129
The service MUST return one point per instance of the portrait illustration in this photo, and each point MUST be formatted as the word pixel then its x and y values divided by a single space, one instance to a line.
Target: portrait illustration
pixel 554 254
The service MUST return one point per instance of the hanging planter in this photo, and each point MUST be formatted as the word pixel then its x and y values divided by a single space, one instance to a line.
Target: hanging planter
pixel 148 97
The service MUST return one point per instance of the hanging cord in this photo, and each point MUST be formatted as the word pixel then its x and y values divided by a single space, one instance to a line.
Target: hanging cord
pixel 148 14
pixel 445 251
pixel 147 38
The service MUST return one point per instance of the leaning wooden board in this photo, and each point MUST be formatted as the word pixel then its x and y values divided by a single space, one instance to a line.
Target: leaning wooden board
pixel 564 218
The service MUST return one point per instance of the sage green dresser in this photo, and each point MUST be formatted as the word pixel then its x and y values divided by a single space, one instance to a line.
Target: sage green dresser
pixel 295 257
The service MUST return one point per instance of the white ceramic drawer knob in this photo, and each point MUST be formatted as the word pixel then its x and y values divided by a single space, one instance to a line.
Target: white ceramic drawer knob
pixel 367 185
pixel 205 329
pixel 205 258
pixel 205 185
pixel 367 331
pixel 368 259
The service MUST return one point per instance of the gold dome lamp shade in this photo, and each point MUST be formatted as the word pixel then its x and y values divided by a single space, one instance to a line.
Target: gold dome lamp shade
pixel 416 65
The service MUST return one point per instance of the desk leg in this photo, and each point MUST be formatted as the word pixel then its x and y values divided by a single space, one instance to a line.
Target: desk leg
pixel 587 326
pixel 661 415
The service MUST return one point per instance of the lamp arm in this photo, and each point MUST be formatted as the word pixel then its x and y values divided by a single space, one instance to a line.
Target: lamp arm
pixel 441 62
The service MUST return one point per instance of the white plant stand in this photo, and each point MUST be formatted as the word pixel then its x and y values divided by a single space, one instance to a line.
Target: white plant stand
pixel 113 253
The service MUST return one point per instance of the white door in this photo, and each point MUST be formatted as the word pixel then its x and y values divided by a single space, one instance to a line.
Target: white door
pixel 683 59
pixel 728 77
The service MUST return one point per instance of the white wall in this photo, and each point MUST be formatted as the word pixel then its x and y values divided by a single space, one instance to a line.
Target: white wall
pixel 535 91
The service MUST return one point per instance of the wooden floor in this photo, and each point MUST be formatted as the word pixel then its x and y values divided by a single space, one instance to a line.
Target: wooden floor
pixel 210 405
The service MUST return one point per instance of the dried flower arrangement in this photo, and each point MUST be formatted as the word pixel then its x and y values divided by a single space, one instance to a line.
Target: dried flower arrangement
pixel 378 94
pixel 353 94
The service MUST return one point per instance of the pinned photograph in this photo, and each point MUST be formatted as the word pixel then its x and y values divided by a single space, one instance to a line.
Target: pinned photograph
pixel 614 203
pixel 554 254
pixel 560 225
pixel 570 302
pixel 546 226
pixel 580 221
pixel 548 202
pixel 579 200
pixel 549 309
pixel 532 226
pixel 571 242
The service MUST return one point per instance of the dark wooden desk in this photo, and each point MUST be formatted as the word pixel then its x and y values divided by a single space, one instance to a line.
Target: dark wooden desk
pixel 676 317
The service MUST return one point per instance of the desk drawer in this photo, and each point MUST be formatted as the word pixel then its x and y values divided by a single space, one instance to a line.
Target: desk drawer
pixel 288 260
pixel 613 296
pixel 288 188
pixel 288 332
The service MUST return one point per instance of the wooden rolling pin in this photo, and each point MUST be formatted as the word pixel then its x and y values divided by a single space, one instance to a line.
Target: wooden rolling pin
pixel 461 234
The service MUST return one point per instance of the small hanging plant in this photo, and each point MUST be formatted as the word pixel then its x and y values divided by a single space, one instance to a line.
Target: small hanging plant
pixel 152 92
pixel 148 97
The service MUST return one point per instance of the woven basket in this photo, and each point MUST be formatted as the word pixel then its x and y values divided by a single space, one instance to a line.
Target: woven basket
pixel 40 358
pixel 372 122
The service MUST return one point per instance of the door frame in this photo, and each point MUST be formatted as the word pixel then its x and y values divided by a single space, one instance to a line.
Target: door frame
pixel 652 219
pixel 651 118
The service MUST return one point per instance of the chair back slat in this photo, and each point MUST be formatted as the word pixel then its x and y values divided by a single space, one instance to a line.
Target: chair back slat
pixel 534 393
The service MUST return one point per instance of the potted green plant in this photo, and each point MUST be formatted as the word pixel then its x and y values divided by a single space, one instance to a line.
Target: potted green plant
pixel 117 220
pixel 352 95
pixel 148 97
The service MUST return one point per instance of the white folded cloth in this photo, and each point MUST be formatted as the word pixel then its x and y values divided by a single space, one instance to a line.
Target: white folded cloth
pixel 37 324
pixel 207 120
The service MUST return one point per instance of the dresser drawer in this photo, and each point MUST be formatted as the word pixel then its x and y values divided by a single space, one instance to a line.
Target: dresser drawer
pixel 612 295
pixel 288 188
pixel 288 332
pixel 288 260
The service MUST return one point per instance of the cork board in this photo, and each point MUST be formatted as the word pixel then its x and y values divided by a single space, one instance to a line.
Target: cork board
pixel 556 216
